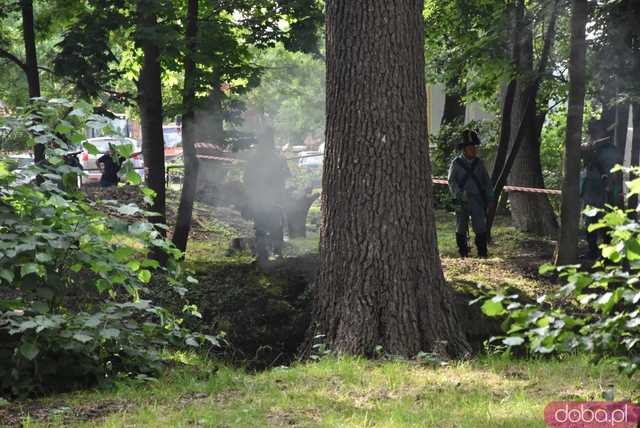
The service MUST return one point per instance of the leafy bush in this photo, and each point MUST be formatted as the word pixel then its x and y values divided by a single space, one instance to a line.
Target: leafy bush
pixel 67 267
pixel 595 311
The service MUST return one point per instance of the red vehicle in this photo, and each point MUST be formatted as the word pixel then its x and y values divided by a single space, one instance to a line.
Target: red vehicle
pixel 172 141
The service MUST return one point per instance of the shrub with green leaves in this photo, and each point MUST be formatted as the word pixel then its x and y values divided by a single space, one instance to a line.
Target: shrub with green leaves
pixel 72 271
pixel 595 311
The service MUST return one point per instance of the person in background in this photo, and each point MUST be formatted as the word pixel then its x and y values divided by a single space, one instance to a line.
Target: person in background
pixel 109 165
pixel 265 179
pixel 598 185
pixel 472 192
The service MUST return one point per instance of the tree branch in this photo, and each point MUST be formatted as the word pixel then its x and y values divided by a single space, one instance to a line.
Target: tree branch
pixel 14 59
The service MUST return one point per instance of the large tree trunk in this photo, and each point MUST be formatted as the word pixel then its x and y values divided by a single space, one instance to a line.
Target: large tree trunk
pixel 380 280
pixel 185 209
pixel 531 212
pixel 529 98
pixel 150 105
pixel 31 63
pixel 567 250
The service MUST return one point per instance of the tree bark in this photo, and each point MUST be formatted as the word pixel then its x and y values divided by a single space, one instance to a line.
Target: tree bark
pixel 380 280
pixel 190 182
pixel 31 63
pixel 567 249
pixel 150 105
pixel 531 212
pixel 529 96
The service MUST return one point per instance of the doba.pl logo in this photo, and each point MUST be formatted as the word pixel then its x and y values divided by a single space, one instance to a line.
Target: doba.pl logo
pixel 592 414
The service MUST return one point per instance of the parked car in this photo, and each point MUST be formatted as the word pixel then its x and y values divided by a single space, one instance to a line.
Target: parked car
pixel 311 160
pixel 88 161
pixel 172 134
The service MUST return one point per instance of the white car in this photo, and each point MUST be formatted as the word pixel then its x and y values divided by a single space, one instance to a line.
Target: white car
pixel 89 161
pixel 310 159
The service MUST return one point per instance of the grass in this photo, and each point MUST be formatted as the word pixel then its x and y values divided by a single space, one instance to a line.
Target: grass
pixel 349 392
pixel 488 391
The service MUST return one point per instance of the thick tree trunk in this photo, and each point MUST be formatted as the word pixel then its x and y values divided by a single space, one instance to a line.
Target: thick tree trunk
pixel 297 208
pixel 188 194
pixel 635 150
pixel 529 98
pixel 380 280
pixel 150 105
pixel 531 212
pixel 567 250
pixel 31 63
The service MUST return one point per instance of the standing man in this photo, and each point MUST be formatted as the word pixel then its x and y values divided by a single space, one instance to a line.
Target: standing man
pixel 109 165
pixel 472 192
pixel 599 186
pixel 264 179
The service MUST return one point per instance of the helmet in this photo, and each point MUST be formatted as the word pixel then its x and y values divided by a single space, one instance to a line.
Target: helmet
pixel 469 138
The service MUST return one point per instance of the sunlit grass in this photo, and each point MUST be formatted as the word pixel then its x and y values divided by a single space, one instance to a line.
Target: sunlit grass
pixel 351 392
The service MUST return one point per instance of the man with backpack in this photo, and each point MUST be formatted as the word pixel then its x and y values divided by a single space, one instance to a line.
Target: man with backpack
pixel 472 192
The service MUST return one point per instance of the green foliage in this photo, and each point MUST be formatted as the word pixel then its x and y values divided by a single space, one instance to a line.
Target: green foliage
pixel 595 311
pixel 66 271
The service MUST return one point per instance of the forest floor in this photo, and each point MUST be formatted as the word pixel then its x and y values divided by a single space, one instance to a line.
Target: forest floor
pixel 489 390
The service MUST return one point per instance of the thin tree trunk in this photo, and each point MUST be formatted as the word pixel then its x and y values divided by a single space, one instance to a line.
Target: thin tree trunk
pixel 31 63
pixel 380 280
pixel 150 105
pixel 567 249
pixel 190 182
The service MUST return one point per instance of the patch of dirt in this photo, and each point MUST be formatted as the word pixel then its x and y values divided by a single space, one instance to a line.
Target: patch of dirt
pixel 12 415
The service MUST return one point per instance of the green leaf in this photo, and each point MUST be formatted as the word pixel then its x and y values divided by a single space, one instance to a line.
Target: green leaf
pixel 29 268
pixel 123 253
pixel 130 209
pixel 192 342
pixel 40 307
pixel 76 267
pixel 134 265
pixel 82 338
pixel 144 276
pixel 103 285
pixel 29 350
pixel 7 275
pixel 44 257
pixel 110 333
pixel 513 341
pixel 546 269
pixel 633 249
pixel 134 178
pixel 492 309
pixel 93 150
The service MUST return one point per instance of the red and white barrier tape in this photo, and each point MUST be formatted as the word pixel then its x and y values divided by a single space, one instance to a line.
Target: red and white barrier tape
pixel 436 180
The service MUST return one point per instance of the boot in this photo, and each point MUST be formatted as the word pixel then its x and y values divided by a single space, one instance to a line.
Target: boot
pixel 592 240
pixel 481 243
pixel 463 248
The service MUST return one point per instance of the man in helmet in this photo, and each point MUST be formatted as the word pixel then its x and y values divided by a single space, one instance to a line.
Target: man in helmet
pixel 472 192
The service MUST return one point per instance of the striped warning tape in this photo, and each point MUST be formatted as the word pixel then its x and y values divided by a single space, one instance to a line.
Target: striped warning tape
pixel 436 180
pixel 444 181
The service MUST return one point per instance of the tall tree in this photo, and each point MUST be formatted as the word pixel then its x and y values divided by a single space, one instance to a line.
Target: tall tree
pixel 567 249
pixel 185 209
pixel 380 281
pixel 150 105
pixel 531 212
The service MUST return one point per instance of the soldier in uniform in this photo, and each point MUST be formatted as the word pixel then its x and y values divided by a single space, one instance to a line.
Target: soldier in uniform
pixel 265 178
pixel 472 192
pixel 599 186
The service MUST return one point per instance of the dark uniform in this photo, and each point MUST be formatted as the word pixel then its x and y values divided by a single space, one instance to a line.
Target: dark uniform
pixel 471 189
pixel 598 186
pixel 264 178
